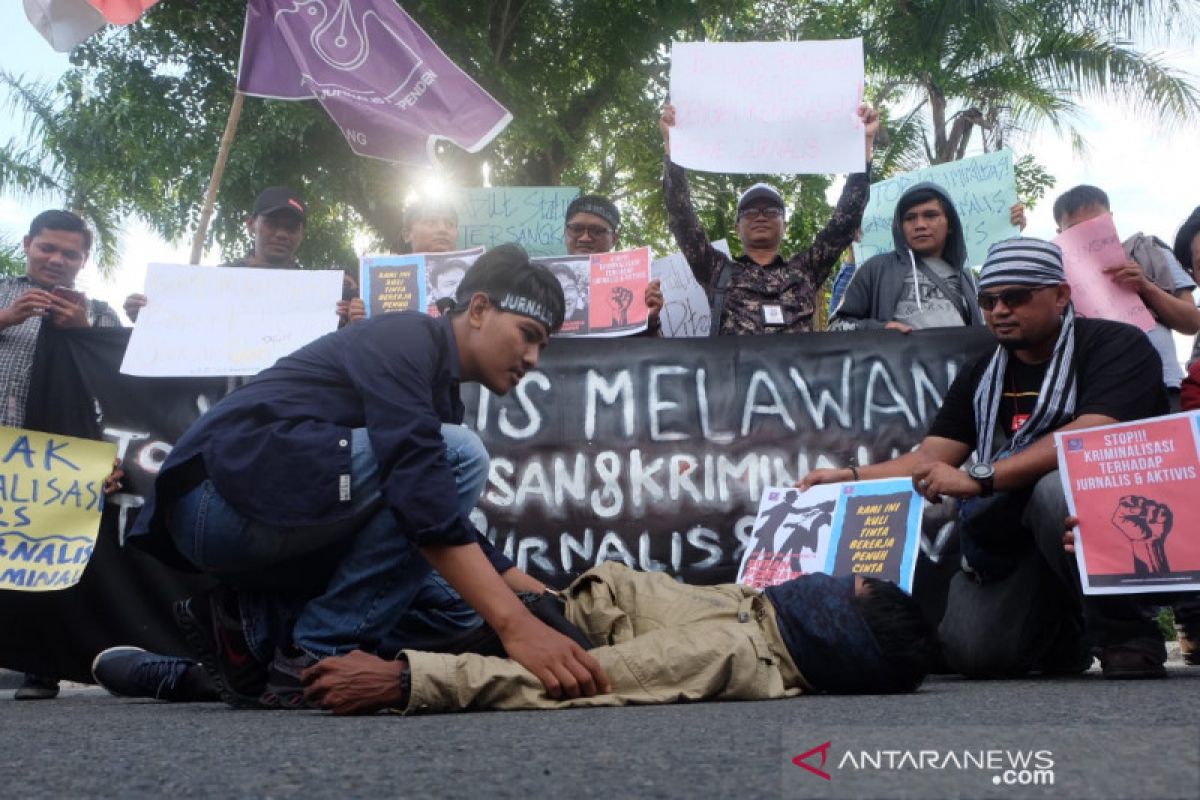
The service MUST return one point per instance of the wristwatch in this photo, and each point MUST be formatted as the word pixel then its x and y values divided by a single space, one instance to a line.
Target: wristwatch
pixel 985 475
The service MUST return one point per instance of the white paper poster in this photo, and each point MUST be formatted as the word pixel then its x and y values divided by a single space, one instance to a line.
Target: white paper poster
pixel 686 311
pixel 203 321
pixel 774 107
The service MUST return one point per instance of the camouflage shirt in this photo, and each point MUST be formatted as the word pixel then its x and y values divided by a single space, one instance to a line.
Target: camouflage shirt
pixel 792 284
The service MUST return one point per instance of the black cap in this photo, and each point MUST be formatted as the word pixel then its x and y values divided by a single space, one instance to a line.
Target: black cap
pixel 602 207
pixel 278 198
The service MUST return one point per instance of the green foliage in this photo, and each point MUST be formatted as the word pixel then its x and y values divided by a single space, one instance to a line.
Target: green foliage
pixel 1033 180
pixel 62 171
pixel 1006 69
pixel 12 258
pixel 133 128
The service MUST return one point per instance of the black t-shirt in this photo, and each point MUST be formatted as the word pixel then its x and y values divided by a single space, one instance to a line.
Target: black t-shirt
pixel 1118 374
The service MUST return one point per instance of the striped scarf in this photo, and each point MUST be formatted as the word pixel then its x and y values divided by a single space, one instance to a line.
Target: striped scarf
pixel 1055 404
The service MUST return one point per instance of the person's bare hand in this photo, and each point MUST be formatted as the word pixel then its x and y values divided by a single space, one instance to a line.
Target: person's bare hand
pixel 898 326
pixel 934 479
pixel 1016 215
pixel 134 305
pixel 821 476
pixel 654 298
pixel 1069 526
pixel 1130 275
pixel 563 667
pixel 349 311
pixel 33 303
pixel 112 483
pixel 65 313
pixel 870 120
pixel 356 683
pixel 665 123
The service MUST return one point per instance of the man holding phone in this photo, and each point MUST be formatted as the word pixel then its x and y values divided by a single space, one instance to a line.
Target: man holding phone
pixel 56 248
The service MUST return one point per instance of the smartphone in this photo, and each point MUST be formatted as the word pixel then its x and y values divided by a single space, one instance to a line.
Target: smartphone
pixel 66 293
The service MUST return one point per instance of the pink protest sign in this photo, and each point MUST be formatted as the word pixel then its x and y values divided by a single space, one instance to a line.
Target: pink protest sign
pixel 1087 249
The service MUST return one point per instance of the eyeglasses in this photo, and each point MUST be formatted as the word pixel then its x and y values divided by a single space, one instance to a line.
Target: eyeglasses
pixel 1012 298
pixel 577 229
pixel 770 212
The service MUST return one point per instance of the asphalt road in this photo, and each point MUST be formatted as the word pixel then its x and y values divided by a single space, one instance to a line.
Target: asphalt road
pixel 88 744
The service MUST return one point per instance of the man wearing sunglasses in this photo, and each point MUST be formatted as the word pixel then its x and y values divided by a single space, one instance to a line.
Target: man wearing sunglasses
pixel 1016 607
pixel 592 226
pixel 759 291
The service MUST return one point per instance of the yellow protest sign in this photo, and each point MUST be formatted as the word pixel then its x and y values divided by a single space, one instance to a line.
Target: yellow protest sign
pixel 51 495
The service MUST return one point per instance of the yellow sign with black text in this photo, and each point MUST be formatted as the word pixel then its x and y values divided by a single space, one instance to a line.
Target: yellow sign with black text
pixel 51 496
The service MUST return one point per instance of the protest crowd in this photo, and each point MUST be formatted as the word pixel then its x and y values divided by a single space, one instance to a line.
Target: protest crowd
pixel 324 508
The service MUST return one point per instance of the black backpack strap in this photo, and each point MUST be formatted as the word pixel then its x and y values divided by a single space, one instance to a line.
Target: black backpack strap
pixel 720 287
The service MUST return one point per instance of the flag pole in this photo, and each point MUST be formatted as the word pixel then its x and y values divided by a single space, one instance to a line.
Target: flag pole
pixel 214 183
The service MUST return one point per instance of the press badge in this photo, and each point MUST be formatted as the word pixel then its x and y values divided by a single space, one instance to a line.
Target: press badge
pixel 772 314
pixel 344 488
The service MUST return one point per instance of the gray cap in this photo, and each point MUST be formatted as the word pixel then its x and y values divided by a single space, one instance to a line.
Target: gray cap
pixel 761 191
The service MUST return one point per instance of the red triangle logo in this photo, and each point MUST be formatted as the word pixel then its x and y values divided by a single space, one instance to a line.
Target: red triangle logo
pixel 823 749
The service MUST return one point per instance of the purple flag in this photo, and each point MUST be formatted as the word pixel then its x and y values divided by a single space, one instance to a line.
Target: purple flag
pixel 391 90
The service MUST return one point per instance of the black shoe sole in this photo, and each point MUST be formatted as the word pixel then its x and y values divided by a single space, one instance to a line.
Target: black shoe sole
pixel 204 648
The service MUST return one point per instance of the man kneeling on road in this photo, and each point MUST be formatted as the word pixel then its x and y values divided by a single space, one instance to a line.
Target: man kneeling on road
pixel 1017 605
pixel 661 641
pixel 332 483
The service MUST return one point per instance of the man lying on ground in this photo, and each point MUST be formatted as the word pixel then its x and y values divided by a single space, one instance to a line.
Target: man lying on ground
pixel 661 641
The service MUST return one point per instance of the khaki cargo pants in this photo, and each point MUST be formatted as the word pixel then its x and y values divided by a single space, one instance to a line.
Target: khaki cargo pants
pixel 660 641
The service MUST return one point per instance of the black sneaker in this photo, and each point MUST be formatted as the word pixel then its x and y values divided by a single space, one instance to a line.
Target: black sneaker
pixel 284 689
pixel 35 687
pixel 128 671
pixel 219 643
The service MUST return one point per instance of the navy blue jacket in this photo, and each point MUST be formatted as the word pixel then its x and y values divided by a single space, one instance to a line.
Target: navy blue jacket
pixel 278 449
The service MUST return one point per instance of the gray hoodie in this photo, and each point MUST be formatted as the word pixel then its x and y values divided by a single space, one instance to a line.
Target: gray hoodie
pixel 878 284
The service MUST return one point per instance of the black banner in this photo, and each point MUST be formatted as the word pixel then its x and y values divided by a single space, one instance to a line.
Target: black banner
pixel 124 596
pixel 649 451
pixel 655 452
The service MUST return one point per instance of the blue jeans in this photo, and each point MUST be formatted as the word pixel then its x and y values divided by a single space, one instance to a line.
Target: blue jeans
pixel 380 593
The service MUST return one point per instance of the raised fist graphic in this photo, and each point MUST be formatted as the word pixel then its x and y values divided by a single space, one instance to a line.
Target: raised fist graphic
pixel 1146 524
pixel 619 301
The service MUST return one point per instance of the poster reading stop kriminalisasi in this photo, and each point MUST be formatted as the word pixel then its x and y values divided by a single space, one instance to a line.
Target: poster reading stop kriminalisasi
pixel 1133 487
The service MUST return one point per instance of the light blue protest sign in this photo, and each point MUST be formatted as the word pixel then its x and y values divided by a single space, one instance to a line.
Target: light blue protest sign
pixel 983 189
pixel 531 216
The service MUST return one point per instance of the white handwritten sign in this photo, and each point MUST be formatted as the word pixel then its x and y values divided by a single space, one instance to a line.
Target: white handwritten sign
pixel 686 311
pixel 1087 249
pixel 228 321
pixel 776 107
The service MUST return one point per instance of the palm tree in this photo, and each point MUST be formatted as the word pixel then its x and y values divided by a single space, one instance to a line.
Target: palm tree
pixel 56 168
pixel 1006 68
